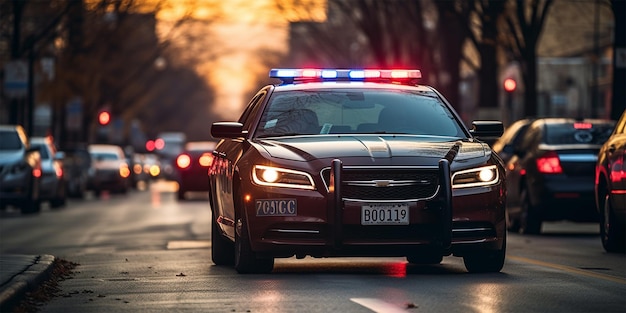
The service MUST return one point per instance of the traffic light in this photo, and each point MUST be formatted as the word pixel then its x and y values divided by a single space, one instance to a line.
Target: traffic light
pixel 509 85
pixel 104 117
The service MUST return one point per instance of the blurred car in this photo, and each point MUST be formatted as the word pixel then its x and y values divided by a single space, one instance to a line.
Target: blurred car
pixel 355 163
pixel 76 167
pixel 610 189
pixel 52 187
pixel 20 170
pixel 511 137
pixel 111 171
pixel 192 165
pixel 168 145
pixel 139 175
pixel 152 165
pixel 550 177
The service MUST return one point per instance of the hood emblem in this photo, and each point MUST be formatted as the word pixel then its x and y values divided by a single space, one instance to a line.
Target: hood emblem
pixel 382 183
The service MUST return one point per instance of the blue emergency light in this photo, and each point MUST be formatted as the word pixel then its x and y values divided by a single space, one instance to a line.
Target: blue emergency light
pixel 288 76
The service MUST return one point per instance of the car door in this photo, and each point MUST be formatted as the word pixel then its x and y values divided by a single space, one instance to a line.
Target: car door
pixel 616 156
pixel 227 154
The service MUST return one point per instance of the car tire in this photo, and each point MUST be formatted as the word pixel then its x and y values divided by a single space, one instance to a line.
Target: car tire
pixel 222 249
pixel 246 261
pixel 530 222
pixel 611 232
pixel 57 203
pixel 30 206
pixel 486 261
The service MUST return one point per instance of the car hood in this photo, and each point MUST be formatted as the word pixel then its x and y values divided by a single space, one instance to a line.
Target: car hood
pixel 307 148
pixel 13 156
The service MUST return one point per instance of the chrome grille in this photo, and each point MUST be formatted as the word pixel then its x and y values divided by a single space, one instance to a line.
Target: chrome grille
pixel 386 183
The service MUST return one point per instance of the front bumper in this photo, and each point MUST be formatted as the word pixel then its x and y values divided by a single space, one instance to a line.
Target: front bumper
pixel 15 188
pixel 450 221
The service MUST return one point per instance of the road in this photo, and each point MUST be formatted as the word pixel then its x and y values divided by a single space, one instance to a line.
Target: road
pixel 146 251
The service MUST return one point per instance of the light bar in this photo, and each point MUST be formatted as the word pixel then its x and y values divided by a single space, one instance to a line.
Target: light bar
pixel 291 75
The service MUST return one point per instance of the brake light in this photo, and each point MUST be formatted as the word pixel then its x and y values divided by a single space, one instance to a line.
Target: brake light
pixel 36 172
pixel 549 163
pixel 206 159
pixel 58 170
pixel 124 170
pixel 617 171
pixel 183 161
pixel 581 125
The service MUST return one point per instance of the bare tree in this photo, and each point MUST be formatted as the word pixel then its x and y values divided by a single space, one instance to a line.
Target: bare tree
pixel 524 24
pixel 619 71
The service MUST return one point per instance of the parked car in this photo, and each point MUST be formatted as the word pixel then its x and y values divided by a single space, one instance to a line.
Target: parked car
pixel 550 176
pixel 111 171
pixel 139 176
pixel 192 165
pixel 504 146
pixel 76 166
pixel 610 189
pixel 152 165
pixel 338 162
pixel 53 181
pixel 20 170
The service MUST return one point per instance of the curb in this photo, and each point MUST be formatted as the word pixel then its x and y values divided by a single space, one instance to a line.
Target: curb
pixel 27 280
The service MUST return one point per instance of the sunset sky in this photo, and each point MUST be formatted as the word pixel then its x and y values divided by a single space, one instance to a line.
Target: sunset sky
pixel 241 31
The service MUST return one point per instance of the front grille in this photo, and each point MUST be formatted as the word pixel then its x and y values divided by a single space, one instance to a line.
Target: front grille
pixel 386 184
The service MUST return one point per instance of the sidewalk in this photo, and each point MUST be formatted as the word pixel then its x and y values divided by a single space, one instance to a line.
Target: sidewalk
pixel 20 274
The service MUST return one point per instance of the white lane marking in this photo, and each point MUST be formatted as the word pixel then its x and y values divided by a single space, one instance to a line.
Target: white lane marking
pixel 378 305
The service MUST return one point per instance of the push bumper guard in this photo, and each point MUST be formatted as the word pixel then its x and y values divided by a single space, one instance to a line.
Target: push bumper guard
pixel 335 207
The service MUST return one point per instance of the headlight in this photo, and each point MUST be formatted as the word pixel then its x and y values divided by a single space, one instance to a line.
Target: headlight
pixel 476 177
pixel 281 177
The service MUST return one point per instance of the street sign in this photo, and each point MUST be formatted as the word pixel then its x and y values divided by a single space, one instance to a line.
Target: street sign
pixel 16 79
pixel 74 114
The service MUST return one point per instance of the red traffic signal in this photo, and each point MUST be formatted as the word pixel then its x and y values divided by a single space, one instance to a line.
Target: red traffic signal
pixel 104 117
pixel 510 84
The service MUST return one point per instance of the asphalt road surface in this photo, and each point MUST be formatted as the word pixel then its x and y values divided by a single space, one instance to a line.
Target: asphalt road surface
pixel 147 252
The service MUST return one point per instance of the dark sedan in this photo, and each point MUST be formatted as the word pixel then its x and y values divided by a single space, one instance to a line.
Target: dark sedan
pixel 192 166
pixel 355 163
pixel 550 176
pixel 610 189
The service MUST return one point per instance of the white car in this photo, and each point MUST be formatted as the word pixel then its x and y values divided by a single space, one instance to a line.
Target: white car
pixel 110 170
pixel 53 183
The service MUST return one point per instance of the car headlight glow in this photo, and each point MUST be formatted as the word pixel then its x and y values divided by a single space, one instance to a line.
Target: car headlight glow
pixel 476 177
pixel 281 177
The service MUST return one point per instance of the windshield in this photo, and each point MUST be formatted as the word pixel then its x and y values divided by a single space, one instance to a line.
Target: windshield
pixel 363 111
pixel 100 156
pixel 563 134
pixel 10 141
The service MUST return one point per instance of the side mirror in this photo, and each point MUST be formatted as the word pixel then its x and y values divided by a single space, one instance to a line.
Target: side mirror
pixel 487 131
pixel 227 130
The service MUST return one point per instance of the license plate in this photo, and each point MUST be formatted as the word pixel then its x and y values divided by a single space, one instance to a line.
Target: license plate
pixel 276 207
pixel 385 214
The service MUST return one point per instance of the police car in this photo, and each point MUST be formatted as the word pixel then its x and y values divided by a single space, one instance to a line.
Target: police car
pixel 340 162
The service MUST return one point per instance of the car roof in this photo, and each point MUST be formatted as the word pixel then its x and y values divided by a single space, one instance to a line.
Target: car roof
pixel 104 147
pixel 351 85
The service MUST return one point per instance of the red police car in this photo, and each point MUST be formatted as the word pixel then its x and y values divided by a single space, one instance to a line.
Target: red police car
pixel 355 163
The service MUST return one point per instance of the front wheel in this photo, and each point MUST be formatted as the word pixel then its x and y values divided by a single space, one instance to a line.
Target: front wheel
pixel 611 233
pixel 246 260
pixel 30 206
pixel 486 262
